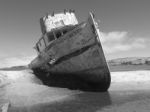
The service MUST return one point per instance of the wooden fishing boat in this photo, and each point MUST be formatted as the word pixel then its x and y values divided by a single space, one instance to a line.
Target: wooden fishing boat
pixel 69 47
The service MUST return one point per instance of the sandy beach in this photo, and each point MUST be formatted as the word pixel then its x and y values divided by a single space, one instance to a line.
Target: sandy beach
pixel 21 91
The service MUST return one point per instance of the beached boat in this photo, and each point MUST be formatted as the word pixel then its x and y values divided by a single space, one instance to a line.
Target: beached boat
pixel 69 47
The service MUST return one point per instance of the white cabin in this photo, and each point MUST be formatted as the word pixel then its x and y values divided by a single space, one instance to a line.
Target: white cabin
pixel 54 26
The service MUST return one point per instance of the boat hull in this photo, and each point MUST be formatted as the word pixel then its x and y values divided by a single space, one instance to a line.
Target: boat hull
pixel 79 53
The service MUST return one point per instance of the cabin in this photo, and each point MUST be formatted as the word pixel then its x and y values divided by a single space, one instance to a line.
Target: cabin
pixel 54 26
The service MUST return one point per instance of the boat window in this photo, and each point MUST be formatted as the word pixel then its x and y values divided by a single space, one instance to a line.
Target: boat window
pixel 37 47
pixel 50 37
pixel 41 44
pixel 58 34
pixel 65 31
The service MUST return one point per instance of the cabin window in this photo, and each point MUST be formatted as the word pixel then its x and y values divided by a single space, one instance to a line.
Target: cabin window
pixel 50 37
pixel 41 45
pixel 58 34
pixel 65 31
pixel 37 48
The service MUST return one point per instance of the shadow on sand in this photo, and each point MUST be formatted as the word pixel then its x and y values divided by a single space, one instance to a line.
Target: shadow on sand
pixel 84 102
pixel 70 81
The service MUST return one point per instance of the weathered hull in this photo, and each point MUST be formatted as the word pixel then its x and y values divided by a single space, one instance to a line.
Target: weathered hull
pixel 77 53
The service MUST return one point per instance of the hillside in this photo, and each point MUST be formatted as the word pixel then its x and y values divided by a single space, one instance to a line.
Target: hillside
pixel 129 64
pixel 130 61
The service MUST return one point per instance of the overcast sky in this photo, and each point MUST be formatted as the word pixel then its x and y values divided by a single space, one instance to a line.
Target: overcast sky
pixel 124 24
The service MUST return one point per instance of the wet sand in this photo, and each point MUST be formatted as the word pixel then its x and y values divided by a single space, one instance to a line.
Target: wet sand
pixel 26 93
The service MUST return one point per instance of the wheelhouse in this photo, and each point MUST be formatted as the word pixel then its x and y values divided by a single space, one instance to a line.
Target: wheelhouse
pixel 52 36
pixel 55 26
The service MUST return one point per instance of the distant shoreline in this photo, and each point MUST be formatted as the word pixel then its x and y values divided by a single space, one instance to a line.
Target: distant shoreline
pixel 120 64
pixel 117 68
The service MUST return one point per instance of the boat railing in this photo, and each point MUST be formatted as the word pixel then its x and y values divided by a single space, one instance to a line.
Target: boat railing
pixel 51 36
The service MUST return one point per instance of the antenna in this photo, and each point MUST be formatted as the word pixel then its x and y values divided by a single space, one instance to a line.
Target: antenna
pixel 65 11
pixel 73 11
pixel 70 10
pixel 46 15
pixel 53 14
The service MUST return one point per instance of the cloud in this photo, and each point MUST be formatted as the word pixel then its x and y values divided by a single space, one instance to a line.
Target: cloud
pixel 121 41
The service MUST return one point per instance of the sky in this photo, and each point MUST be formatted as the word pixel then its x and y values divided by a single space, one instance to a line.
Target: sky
pixel 124 25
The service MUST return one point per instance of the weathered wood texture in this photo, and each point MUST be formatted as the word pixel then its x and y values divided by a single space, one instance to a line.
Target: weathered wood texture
pixel 79 52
